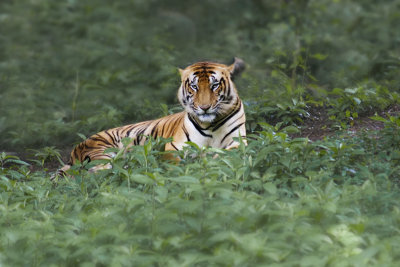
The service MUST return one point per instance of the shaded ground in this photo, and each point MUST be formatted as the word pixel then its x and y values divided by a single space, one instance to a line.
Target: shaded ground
pixel 319 125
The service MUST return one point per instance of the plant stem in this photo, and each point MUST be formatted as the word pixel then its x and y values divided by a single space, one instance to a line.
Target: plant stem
pixel 76 93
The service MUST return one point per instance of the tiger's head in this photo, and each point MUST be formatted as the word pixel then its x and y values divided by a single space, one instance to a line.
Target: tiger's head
pixel 207 91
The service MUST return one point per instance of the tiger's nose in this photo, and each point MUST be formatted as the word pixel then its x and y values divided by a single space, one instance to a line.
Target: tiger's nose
pixel 205 107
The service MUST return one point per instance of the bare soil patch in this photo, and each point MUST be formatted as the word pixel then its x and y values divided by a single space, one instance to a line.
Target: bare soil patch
pixel 318 125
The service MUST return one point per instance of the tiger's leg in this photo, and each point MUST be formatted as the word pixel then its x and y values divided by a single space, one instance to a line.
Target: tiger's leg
pixel 96 168
pixel 236 144
pixel 104 166
pixel 170 156
pixel 63 171
pixel 60 172
pixel 97 153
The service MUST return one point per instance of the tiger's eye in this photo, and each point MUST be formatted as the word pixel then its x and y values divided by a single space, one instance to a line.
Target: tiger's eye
pixel 194 87
pixel 214 86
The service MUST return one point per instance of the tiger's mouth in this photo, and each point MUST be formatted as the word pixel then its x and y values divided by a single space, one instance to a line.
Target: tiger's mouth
pixel 206 116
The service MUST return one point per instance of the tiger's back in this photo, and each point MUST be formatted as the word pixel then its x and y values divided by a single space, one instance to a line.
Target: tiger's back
pixel 213 116
pixel 93 148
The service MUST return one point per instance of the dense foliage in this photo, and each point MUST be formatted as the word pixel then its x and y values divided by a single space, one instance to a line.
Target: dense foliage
pixel 71 68
pixel 278 200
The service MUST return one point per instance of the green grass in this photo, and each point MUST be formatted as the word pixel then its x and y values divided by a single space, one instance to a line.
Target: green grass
pixel 277 201
pixel 71 68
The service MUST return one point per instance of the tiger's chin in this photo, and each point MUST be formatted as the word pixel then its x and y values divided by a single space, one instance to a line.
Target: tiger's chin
pixel 206 117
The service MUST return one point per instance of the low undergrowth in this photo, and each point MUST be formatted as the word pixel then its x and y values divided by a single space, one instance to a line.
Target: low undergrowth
pixel 277 200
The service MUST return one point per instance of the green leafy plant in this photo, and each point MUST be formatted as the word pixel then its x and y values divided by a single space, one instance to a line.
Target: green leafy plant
pixel 390 131
pixel 46 154
pixel 346 105
pixel 244 203
pixel 10 160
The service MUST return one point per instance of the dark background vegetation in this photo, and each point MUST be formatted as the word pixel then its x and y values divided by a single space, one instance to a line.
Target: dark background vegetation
pixel 317 185
pixel 70 67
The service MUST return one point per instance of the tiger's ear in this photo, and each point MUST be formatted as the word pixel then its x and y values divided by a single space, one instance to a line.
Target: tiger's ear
pixel 237 67
pixel 180 71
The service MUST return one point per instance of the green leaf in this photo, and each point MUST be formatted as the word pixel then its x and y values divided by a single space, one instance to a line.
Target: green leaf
pixel 82 136
pixel 17 161
pixel 319 56
pixel 162 193
pixel 141 179
pixel 378 118
pixel 184 179
pixel 291 129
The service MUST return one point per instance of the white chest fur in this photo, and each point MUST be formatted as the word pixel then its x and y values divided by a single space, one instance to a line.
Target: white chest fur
pixel 218 135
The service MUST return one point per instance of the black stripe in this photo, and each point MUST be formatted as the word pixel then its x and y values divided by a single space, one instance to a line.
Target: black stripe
pixel 154 130
pixel 116 136
pixel 112 138
pixel 162 130
pixel 224 85
pixel 136 137
pixel 141 131
pixel 222 81
pixel 105 140
pixel 140 135
pixel 228 144
pixel 234 129
pixel 100 139
pixel 233 113
pixel 194 122
pixel 202 68
pixel 229 91
pixel 198 128
pixel 174 146
pixel 183 90
pixel 96 147
pixel 163 126
pixel 186 133
pixel 130 130
pixel 236 120
pixel 76 155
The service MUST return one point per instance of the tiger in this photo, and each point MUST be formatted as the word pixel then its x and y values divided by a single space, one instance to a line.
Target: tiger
pixel 213 116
